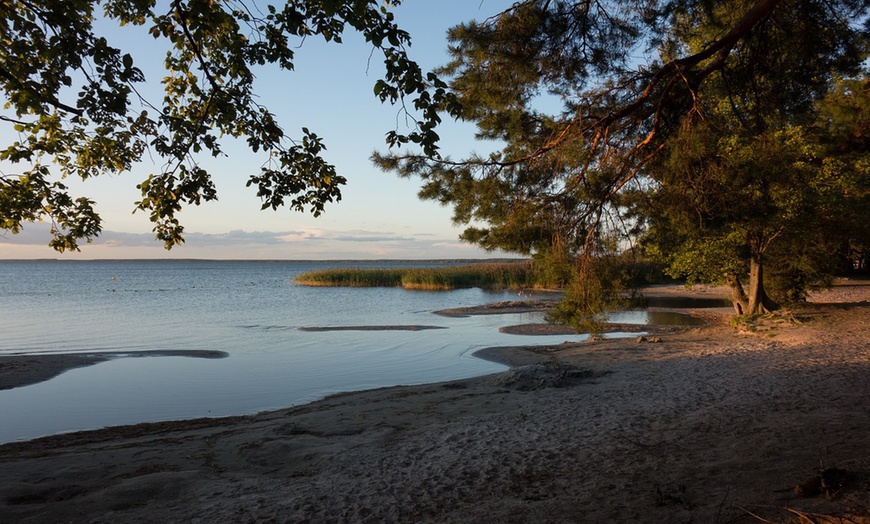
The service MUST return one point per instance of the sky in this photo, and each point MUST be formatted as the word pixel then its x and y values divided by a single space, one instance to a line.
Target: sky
pixel 331 93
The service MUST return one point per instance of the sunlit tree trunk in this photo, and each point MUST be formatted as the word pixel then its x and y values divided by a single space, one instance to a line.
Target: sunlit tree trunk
pixel 738 297
pixel 758 303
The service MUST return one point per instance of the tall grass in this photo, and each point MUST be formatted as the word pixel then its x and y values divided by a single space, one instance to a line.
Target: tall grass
pixel 351 277
pixel 512 275
pixel 495 275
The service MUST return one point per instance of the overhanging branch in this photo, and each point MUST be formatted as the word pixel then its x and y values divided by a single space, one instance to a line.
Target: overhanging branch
pixel 683 68
pixel 50 99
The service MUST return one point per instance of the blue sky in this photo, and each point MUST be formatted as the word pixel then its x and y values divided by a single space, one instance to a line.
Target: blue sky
pixel 330 92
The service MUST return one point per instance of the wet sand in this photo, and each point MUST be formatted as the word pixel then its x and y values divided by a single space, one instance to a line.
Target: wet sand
pixel 370 328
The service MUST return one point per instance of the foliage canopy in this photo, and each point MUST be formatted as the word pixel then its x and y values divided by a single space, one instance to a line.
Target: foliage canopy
pixel 706 130
pixel 72 98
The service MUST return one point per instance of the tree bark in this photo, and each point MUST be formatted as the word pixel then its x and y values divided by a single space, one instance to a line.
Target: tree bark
pixel 738 297
pixel 758 303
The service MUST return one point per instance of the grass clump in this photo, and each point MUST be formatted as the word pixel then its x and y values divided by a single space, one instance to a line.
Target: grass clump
pixel 351 278
pixel 510 275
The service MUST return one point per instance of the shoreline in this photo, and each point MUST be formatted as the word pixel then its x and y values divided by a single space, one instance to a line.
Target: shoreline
pixel 707 425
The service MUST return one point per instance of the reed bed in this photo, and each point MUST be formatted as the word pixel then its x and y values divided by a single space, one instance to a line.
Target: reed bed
pixel 513 275
pixel 351 278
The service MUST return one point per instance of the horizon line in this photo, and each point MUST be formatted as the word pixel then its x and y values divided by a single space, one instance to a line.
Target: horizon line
pixel 193 259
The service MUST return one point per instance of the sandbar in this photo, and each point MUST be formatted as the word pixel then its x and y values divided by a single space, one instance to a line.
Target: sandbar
pixel 26 369
pixel 370 328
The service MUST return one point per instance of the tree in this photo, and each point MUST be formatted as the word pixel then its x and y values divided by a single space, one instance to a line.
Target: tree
pixel 712 74
pixel 72 99
pixel 752 176
pixel 769 206
pixel 846 115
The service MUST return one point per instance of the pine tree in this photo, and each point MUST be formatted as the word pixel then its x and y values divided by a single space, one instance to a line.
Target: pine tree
pixel 667 109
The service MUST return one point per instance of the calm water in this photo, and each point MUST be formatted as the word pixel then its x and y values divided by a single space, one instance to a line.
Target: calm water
pixel 251 311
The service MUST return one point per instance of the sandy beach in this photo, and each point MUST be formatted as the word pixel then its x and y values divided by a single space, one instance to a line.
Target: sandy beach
pixel 717 423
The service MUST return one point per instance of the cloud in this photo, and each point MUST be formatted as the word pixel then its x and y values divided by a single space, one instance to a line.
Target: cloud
pixel 370 239
pixel 457 244
pixel 39 233
pixel 355 235
pixel 241 237
pixel 314 244
pixel 300 236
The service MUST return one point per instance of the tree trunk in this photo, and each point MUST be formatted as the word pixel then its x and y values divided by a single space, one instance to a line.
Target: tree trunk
pixel 738 297
pixel 758 303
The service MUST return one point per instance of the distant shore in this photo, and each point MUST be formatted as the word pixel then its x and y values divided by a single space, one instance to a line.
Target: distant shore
pixel 708 424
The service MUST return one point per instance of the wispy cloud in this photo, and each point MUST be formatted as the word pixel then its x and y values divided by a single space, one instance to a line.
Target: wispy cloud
pixel 347 238
pixel 240 244
pixel 40 233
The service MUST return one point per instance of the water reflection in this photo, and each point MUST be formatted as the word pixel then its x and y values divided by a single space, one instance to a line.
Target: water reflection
pixel 657 318
pixel 685 302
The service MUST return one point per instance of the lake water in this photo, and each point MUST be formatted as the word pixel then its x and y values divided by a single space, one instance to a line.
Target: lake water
pixel 251 311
